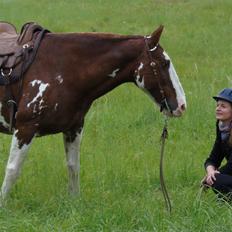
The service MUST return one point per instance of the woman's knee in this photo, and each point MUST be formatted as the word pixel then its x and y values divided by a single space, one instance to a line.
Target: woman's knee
pixel 223 183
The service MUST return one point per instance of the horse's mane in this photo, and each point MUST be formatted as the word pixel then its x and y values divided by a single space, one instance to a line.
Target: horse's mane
pixel 98 36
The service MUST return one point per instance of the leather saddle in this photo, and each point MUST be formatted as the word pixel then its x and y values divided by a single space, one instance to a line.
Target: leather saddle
pixel 17 51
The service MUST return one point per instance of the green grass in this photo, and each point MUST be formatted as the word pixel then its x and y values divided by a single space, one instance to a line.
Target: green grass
pixel 120 189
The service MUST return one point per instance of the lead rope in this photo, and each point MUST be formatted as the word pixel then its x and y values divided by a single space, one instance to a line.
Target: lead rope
pixel 164 135
pixel 162 183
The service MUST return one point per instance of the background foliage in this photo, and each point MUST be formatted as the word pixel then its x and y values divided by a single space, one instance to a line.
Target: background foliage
pixel 120 188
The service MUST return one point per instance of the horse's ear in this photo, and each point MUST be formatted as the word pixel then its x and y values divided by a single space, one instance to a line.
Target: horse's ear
pixel 155 36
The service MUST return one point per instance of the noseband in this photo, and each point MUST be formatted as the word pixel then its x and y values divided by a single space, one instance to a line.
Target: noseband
pixel 164 102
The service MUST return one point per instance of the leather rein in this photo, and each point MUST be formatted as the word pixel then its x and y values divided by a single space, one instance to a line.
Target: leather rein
pixel 164 135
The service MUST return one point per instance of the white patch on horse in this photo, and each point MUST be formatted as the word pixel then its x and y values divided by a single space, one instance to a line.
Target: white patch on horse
pixel 37 109
pixel 114 73
pixel 175 82
pixel 140 66
pixel 41 106
pixel 59 79
pixel 140 83
pixel 55 107
pixel 14 164
pixel 72 147
pixel 42 88
pixel 72 150
pixel 35 82
pixel 139 80
pixel 2 119
pixel 34 109
pixel 41 102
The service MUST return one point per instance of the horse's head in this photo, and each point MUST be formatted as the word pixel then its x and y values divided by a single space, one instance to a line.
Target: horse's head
pixel 156 75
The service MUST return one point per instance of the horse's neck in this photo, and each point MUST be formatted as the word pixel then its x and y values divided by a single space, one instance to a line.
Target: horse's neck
pixel 114 63
pixel 101 61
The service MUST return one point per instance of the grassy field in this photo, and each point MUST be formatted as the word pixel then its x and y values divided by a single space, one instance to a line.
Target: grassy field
pixel 120 189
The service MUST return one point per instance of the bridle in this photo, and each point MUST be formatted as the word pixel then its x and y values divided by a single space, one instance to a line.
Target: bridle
pixel 164 102
pixel 164 135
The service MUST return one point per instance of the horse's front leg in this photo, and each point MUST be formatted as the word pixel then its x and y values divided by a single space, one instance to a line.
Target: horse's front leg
pixel 20 144
pixel 72 142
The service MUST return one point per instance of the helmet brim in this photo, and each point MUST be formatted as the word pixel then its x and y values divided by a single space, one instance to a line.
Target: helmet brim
pixel 217 98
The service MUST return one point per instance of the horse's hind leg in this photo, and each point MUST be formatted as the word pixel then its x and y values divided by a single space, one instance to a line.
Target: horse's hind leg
pixel 18 151
pixel 72 142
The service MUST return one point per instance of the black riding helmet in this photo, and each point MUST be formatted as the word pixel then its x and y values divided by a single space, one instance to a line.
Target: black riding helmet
pixel 225 94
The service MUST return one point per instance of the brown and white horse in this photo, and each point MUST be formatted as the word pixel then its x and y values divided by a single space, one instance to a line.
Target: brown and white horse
pixel 70 72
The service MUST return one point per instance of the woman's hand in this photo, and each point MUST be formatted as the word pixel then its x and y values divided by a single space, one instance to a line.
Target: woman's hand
pixel 210 177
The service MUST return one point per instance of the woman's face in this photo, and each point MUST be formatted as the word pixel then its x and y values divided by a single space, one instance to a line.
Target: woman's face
pixel 223 111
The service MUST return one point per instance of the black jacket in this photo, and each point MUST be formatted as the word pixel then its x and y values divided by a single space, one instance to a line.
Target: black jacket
pixel 221 150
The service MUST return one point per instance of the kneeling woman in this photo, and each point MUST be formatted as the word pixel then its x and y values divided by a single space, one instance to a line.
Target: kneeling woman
pixel 220 178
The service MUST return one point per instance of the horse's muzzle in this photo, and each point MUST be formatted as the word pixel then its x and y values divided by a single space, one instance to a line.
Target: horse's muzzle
pixel 166 109
pixel 179 111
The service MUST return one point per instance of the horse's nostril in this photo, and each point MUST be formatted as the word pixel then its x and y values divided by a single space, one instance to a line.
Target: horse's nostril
pixel 182 107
